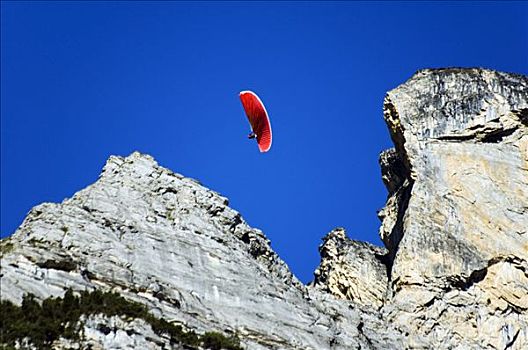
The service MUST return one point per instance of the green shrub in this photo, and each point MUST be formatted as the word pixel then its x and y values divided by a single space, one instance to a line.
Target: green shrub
pixel 59 317
pixel 218 341
pixel 64 265
pixel 6 246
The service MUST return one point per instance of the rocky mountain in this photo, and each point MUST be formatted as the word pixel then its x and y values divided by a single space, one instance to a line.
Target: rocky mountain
pixel 453 274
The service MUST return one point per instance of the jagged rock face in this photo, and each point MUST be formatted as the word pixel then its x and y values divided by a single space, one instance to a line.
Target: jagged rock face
pixel 352 270
pixel 165 241
pixel 396 179
pixel 459 235
pixel 454 274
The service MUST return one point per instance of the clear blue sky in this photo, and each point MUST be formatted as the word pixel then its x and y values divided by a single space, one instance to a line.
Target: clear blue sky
pixel 81 81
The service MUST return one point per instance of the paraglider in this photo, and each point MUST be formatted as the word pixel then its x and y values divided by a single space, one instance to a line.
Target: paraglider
pixel 258 118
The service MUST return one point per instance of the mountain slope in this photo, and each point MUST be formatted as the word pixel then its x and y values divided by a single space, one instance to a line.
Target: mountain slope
pixel 167 242
pixel 454 273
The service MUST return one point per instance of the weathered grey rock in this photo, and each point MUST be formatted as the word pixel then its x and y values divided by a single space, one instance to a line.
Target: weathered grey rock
pixel 101 332
pixel 165 241
pixel 456 223
pixel 352 270
pixel 454 274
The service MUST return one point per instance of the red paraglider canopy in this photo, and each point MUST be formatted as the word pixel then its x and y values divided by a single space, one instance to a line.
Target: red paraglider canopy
pixel 258 118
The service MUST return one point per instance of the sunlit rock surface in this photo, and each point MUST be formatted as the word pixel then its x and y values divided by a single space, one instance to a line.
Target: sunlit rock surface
pixel 164 240
pixel 456 220
pixel 454 274
pixel 352 270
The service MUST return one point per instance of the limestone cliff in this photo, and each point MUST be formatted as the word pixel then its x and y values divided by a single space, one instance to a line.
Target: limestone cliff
pixel 454 273
pixel 459 242
pixel 456 220
pixel 167 242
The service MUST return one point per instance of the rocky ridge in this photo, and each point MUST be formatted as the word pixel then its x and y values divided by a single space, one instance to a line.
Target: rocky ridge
pixel 163 240
pixel 454 273
pixel 456 218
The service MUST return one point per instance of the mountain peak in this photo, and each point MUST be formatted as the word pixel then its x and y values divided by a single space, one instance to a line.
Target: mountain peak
pixel 453 273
